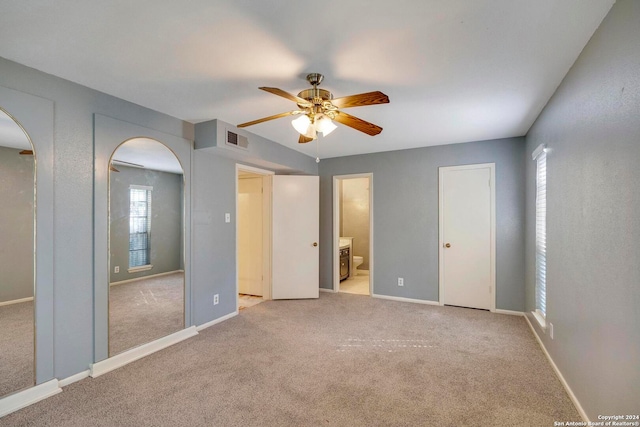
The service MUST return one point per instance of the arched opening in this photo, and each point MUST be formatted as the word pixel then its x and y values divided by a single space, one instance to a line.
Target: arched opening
pixel 146 244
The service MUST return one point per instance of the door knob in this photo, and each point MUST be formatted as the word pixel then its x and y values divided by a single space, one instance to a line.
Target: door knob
pixel 315 244
pixel 447 245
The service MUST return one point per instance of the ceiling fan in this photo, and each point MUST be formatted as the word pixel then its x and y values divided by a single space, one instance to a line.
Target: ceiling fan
pixel 318 108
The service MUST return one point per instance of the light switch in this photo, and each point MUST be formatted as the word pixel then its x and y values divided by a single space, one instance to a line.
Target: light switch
pixel 227 217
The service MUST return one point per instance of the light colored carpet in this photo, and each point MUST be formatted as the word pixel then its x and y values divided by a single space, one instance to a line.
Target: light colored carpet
pixel 16 347
pixel 145 310
pixel 340 360
pixel 356 285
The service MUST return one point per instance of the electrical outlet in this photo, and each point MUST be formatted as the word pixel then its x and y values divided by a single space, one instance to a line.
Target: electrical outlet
pixel 400 281
pixel 116 269
pixel 551 330
pixel 216 299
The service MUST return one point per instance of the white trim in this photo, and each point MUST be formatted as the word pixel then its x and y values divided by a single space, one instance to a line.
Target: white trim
pixel 336 229
pixel 140 268
pixel 572 396
pixel 74 378
pixel 216 321
pixel 151 276
pixel 541 320
pixel 327 290
pixel 539 149
pixel 16 301
pixel 115 362
pixel 28 397
pixel 509 312
pixel 402 299
pixel 492 280
pixel 140 187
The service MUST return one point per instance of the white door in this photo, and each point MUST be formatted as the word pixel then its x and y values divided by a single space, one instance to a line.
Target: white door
pixel 250 236
pixel 296 224
pixel 466 236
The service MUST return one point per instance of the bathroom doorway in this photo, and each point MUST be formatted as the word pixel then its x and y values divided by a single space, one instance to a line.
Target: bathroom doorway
pixel 253 235
pixel 353 234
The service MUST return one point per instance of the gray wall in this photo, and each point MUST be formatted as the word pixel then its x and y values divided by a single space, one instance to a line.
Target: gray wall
pixel 405 215
pixel 166 221
pixel 592 126
pixel 16 232
pixel 213 248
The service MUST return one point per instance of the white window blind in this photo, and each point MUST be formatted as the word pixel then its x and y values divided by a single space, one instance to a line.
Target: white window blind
pixel 541 231
pixel 139 226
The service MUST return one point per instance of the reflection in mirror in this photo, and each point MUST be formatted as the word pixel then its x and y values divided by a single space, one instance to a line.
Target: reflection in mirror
pixel 146 263
pixel 17 249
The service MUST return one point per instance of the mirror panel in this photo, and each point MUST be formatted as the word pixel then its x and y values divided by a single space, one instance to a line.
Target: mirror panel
pixel 17 257
pixel 146 241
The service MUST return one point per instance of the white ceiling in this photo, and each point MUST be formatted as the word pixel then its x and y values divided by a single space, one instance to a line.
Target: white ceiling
pixel 148 154
pixel 12 135
pixel 454 70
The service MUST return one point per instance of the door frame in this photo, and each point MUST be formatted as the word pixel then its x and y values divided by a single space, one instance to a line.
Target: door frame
pixel 266 228
pixel 336 229
pixel 492 180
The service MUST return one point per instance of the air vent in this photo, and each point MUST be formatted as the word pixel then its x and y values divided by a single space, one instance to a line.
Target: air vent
pixel 236 140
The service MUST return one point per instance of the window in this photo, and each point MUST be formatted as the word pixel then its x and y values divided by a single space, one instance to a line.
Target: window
pixel 540 156
pixel 139 226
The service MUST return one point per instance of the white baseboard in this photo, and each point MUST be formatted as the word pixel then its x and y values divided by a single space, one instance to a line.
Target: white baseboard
pixel 327 290
pixel 402 299
pixel 74 378
pixel 16 301
pixel 151 276
pixel 572 396
pixel 119 360
pixel 510 312
pixel 216 321
pixel 27 397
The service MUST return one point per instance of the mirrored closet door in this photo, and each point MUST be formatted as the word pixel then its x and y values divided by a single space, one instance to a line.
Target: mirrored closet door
pixel 146 244
pixel 17 257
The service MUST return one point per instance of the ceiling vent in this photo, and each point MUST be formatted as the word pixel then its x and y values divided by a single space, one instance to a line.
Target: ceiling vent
pixel 238 141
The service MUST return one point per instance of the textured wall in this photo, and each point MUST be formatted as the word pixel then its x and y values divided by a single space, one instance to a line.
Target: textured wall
pixel 405 215
pixel 16 232
pixel 592 127
pixel 213 260
pixel 166 220
pixel 355 216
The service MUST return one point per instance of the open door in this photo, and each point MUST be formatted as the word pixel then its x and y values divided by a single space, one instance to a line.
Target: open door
pixel 296 224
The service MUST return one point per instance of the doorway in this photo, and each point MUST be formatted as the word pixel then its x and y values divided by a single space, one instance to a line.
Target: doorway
pixel 253 236
pixel 467 236
pixel 353 234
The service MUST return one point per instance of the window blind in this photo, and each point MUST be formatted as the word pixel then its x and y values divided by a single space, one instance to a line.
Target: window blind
pixel 541 232
pixel 139 226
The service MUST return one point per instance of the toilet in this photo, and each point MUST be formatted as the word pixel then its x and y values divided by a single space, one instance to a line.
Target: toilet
pixel 357 260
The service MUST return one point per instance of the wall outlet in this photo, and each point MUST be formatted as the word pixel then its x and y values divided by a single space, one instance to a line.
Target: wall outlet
pixel 116 269
pixel 216 299
pixel 551 330
pixel 400 281
pixel 227 217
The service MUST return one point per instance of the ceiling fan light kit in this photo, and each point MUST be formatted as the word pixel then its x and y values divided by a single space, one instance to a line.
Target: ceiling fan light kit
pixel 318 109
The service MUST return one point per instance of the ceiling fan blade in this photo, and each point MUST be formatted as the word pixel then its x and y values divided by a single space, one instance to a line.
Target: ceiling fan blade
pixel 266 119
pixel 303 139
pixel 300 101
pixel 27 152
pixel 357 124
pixel 361 100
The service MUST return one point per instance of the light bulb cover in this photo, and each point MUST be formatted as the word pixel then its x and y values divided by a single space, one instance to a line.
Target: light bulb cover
pixel 301 124
pixel 325 125
pixel 311 132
